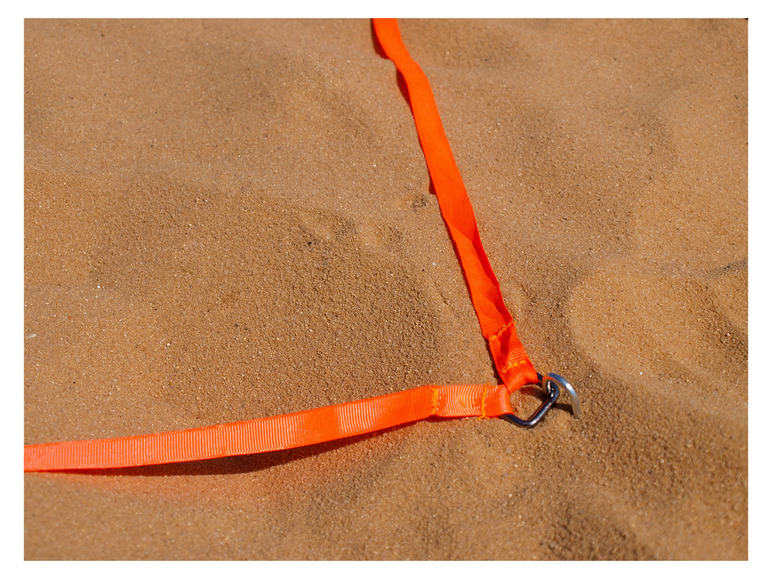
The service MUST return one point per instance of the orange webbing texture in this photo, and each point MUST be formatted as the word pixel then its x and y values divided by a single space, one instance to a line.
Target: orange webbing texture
pixel 271 433
pixel 496 322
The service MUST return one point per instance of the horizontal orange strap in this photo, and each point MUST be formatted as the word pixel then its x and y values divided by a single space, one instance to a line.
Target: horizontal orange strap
pixel 271 433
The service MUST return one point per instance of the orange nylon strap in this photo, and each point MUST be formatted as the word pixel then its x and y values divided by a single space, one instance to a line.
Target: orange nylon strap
pixel 496 322
pixel 274 432
pixel 362 416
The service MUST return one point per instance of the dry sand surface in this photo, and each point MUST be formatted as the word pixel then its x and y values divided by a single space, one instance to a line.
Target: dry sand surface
pixel 233 219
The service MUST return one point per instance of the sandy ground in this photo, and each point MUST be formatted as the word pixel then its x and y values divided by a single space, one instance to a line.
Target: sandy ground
pixel 233 219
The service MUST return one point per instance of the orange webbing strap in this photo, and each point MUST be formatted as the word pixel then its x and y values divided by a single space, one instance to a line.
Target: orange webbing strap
pixel 362 416
pixel 496 322
pixel 274 432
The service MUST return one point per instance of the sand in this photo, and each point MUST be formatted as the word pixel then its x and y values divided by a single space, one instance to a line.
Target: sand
pixel 233 219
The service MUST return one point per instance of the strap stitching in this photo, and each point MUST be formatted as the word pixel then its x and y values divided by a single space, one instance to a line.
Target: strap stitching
pixel 497 335
pixel 513 364
pixel 482 403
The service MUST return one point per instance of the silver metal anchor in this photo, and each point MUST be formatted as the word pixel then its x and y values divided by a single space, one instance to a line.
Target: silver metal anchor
pixel 552 383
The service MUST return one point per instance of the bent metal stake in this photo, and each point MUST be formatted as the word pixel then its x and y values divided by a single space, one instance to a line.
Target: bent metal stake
pixel 372 414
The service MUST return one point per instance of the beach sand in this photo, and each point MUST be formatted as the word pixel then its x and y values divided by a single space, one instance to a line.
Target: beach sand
pixel 233 219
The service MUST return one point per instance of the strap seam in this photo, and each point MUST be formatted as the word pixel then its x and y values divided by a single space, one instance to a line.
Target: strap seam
pixel 497 335
pixel 512 365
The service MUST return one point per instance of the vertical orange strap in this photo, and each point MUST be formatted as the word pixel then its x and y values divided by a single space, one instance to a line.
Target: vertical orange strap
pixel 496 322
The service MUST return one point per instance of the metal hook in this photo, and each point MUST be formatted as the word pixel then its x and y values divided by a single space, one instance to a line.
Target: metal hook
pixel 551 383
pixel 557 379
